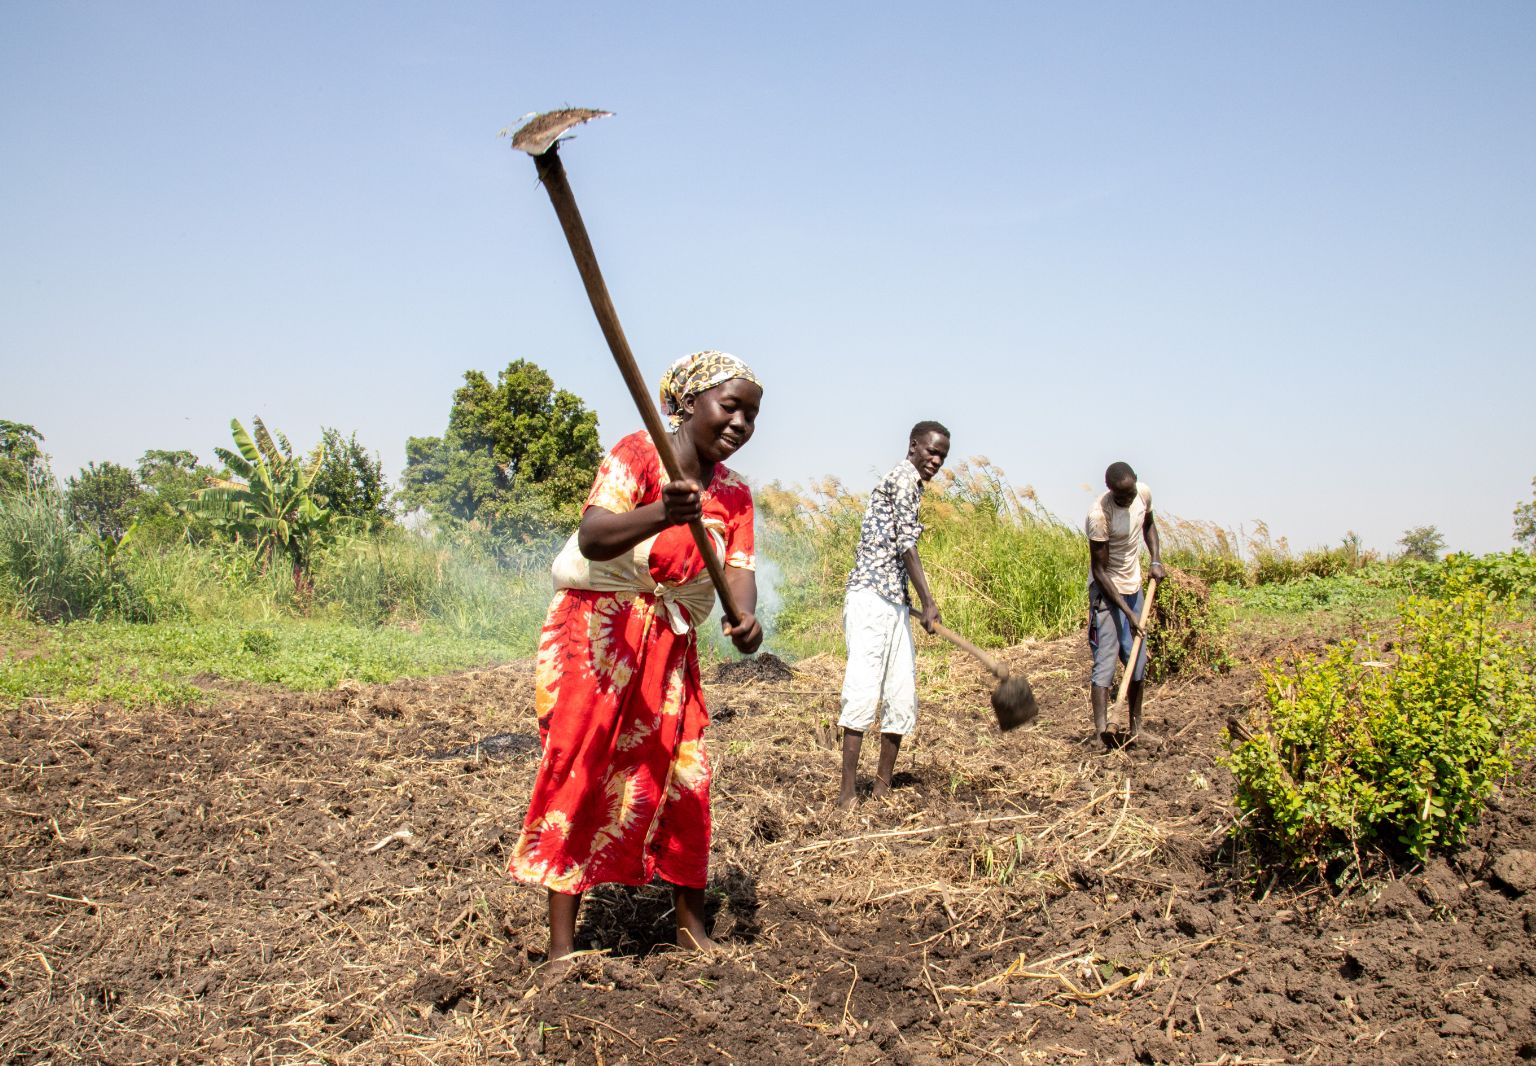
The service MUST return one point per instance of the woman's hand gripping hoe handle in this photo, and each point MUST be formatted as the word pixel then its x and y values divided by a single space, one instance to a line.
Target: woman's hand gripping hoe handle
pixel 552 175
pixel 1130 668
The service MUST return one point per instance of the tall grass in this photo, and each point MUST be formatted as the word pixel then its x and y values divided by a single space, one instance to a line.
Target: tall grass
pixel 1001 568
pixel 1222 556
pixel 46 569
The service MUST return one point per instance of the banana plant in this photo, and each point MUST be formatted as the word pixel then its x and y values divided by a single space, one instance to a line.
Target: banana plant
pixel 270 498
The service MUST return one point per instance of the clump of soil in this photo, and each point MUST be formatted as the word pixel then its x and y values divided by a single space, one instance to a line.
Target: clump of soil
pixel 287 878
pixel 764 667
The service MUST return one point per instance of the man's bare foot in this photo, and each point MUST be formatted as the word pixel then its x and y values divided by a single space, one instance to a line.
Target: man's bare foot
pixel 846 801
pixel 556 970
pixel 881 790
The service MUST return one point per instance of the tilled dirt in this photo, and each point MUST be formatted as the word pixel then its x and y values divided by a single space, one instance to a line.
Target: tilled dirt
pixel 294 878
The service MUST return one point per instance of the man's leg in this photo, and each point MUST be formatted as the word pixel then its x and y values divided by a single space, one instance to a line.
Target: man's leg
pixel 890 745
pixel 1101 714
pixel 1104 640
pixel 1134 698
pixel 863 680
pixel 853 742
pixel 898 716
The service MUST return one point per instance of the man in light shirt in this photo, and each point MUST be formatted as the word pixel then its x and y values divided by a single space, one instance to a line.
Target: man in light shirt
pixel 1119 525
pixel 881 679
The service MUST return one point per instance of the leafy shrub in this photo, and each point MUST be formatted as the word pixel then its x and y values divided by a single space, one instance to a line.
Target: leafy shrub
pixel 1352 753
pixel 1507 575
pixel 1189 630
pixel 1374 589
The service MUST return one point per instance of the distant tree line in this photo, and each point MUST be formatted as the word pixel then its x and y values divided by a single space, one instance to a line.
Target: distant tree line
pixel 512 467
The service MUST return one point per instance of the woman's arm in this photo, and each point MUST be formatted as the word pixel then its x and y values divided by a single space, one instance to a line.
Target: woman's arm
pixel 605 535
pixel 747 634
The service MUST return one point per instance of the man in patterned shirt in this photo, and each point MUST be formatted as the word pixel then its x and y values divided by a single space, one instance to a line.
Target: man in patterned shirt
pixel 882 671
pixel 1119 524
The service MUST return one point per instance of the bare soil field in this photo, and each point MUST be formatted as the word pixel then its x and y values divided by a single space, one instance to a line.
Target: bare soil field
pixel 279 877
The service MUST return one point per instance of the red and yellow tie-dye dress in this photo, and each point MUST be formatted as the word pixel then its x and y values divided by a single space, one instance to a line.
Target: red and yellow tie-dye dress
pixel 622 792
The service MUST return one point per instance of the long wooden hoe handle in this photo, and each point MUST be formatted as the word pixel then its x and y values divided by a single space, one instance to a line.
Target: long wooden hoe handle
pixel 552 175
pixel 1130 669
pixel 999 670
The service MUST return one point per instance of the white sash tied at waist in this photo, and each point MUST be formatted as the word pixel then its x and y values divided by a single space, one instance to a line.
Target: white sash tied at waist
pixel 631 572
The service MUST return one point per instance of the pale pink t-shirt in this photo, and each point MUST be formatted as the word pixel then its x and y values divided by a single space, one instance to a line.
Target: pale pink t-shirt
pixel 1121 527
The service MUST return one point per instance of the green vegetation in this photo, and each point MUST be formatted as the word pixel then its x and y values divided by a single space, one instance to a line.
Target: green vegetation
pixel 270 501
pixel 1525 521
pixel 1189 632
pixel 22 461
pixel 48 570
pixel 102 500
pixel 1001 569
pixel 1217 557
pixel 517 460
pixel 1371 592
pixel 1425 544
pixel 1392 747
pixel 351 481
pixel 139 665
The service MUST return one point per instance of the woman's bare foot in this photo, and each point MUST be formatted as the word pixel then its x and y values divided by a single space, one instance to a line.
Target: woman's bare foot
pixel 689 940
pixel 846 800
pixel 689 903
pixel 881 790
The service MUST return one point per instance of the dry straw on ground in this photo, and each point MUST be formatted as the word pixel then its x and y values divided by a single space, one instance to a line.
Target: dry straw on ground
pixel 288 878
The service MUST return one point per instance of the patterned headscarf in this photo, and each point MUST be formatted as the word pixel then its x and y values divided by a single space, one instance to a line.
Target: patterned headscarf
pixel 692 374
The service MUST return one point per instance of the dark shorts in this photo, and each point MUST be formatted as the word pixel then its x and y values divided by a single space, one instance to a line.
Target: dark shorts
pixel 1110 636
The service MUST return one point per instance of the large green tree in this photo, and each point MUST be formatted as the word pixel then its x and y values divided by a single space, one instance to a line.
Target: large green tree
pixel 518 456
pixel 351 481
pixel 1525 521
pixel 103 500
pixel 22 461
pixel 1424 543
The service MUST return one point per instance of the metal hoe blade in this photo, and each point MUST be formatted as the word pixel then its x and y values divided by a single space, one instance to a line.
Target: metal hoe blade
pixel 540 132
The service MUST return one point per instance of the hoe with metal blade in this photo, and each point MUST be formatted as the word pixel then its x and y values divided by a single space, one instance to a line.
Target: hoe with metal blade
pixel 540 138
pixel 1013 701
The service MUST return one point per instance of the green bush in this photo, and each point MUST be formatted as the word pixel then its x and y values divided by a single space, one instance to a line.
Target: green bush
pixel 1188 629
pixel 1507 575
pixel 1353 753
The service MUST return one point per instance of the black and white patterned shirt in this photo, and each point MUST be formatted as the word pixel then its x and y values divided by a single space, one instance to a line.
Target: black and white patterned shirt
pixel 889 529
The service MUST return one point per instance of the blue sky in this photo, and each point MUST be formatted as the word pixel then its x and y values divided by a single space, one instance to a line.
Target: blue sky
pixel 1281 258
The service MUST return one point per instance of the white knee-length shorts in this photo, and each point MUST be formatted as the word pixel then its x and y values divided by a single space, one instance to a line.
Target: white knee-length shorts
pixel 882 671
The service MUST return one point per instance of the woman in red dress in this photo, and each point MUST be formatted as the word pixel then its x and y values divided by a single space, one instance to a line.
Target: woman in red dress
pixel 622 792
